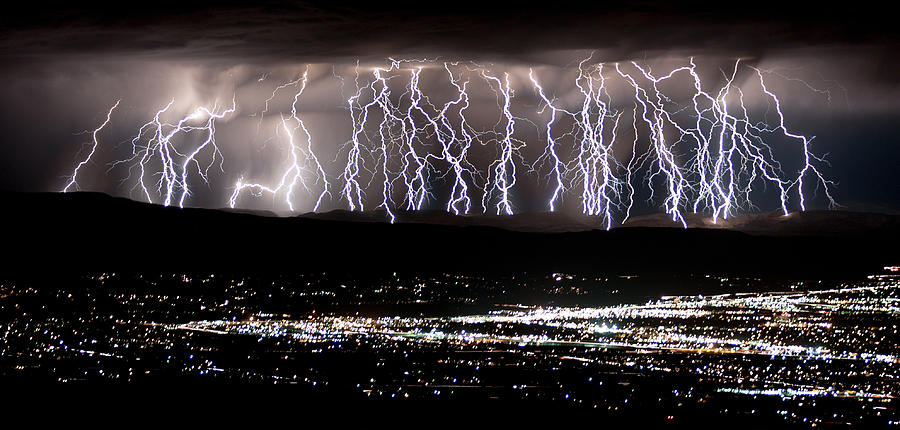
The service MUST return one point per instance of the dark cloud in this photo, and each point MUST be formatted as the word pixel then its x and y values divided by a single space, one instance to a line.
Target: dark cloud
pixel 310 30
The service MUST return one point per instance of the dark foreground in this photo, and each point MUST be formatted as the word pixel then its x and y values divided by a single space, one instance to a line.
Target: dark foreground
pixel 114 307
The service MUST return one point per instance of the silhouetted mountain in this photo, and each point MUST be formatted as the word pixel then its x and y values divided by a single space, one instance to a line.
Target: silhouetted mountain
pixel 545 222
pixel 89 231
pixel 809 223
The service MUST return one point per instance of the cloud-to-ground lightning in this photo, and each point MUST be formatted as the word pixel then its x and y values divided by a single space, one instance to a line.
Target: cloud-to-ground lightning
pixel 72 179
pixel 617 132
pixel 173 163
pixel 303 168
pixel 549 154
pixel 502 172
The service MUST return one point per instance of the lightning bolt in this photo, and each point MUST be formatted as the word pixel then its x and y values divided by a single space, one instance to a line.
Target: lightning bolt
pixel 73 178
pixel 807 155
pixel 173 174
pixel 558 168
pixel 303 161
pixel 502 172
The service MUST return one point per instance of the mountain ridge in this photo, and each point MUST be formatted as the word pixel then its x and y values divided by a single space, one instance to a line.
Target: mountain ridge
pixel 92 231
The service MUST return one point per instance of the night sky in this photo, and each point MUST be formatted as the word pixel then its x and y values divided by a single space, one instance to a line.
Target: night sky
pixel 63 67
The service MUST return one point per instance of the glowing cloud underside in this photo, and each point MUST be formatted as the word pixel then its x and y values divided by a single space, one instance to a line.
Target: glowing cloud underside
pixel 707 150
